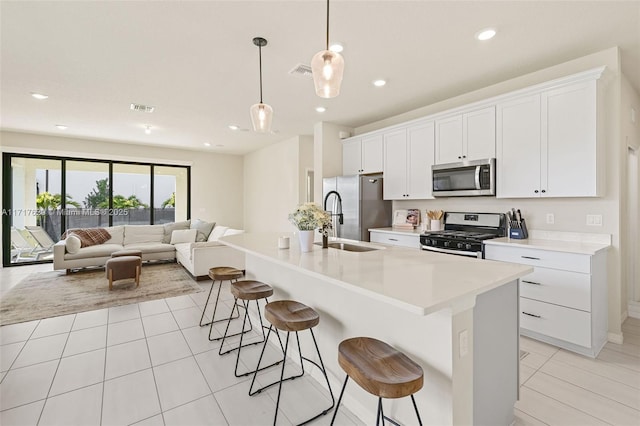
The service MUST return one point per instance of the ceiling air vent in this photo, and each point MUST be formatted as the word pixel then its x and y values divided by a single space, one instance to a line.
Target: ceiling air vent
pixel 301 70
pixel 142 108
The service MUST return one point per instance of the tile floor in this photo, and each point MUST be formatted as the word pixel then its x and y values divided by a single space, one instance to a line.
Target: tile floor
pixel 150 364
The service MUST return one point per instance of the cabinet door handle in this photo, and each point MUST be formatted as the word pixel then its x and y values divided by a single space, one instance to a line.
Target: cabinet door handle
pixel 393 239
pixel 459 157
pixel 544 190
pixel 536 191
pixel 531 282
pixel 531 315
pixel 529 257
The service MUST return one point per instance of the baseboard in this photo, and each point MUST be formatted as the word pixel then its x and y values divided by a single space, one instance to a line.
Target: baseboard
pixel 615 338
pixel 633 309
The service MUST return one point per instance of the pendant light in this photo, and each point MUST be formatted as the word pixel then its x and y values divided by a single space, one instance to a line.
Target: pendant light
pixel 327 68
pixel 261 113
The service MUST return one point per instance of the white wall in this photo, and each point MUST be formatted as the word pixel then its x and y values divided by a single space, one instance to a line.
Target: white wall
pixel 273 177
pixel 216 179
pixel 630 223
pixel 570 213
pixel 327 153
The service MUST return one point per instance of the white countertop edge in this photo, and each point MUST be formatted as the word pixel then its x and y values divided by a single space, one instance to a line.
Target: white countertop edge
pixel 550 245
pixel 391 230
pixel 468 298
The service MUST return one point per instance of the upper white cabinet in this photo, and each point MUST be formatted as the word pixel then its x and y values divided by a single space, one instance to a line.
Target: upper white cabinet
pixel 467 136
pixel 408 157
pixel 547 144
pixel 362 155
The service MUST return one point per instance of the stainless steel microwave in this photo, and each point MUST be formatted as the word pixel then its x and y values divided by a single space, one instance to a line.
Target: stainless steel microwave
pixel 469 178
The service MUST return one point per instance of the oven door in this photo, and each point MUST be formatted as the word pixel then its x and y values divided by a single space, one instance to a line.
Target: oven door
pixel 471 178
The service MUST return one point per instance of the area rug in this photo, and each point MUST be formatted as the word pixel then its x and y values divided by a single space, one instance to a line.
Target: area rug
pixel 49 294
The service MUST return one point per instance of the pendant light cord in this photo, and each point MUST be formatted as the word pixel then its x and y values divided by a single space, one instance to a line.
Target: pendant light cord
pixel 260 61
pixel 327 25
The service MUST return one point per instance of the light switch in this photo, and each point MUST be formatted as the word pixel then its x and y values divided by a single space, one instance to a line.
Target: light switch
pixel 463 338
pixel 551 218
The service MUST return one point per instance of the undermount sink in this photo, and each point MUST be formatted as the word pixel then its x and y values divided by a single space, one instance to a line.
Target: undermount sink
pixel 349 247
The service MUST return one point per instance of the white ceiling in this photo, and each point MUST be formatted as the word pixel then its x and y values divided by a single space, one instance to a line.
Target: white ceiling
pixel 195 61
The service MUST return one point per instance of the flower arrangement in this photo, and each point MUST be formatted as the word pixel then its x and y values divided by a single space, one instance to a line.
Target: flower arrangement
pixel 309 216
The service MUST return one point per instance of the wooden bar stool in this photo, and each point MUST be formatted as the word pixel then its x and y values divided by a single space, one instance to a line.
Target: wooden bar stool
pixel 381 370
pixel 247 290
pixel 219 274
pixel 289 315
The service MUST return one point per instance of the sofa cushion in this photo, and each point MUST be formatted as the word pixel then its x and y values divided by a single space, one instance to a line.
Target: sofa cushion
pixel 183 236
pixel 137 234
pixel 117 234
pixel 204 229
pixel 218 231
pixel 232 231
pixel 150 247
pixel 170 227
pixel 100 250
pixel 72 244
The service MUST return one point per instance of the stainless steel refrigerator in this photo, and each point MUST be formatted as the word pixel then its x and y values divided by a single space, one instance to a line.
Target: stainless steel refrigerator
pixel 356 205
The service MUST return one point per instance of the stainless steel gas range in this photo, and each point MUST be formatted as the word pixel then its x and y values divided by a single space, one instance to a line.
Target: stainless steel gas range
pixel 464 233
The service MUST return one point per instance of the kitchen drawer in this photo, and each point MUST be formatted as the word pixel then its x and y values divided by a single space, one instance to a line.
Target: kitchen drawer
pixel 570 325
pixel 565 288
pixel 544 258
pixel 405 240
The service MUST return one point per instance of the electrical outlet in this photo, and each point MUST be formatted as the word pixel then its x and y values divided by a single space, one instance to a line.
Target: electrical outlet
pixel 463 339
pixel 551 218
pixel 594 220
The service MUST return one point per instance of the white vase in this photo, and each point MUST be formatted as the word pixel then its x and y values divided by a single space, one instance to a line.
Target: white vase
pixel 306 240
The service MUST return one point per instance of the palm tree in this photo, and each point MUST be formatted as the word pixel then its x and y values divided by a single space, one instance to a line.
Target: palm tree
pixel 170 202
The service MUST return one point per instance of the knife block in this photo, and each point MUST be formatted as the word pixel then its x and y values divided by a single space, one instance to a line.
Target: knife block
pixel 518 231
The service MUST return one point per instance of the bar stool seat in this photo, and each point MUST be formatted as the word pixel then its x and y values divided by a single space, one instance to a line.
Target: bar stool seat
pixel 247 290
pixel 379 369
pixel 251 290
pixel 219 274
pixel 291 316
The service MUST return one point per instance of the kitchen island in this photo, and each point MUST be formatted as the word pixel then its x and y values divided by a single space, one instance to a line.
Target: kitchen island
pixel 455 316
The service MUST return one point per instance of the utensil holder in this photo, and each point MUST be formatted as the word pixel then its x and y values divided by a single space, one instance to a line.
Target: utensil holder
pixel 518 231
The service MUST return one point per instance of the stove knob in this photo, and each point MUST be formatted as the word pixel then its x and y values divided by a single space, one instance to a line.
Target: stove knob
pixel 427 242
pixel 460 245
pixel 446 243
pixel 468 246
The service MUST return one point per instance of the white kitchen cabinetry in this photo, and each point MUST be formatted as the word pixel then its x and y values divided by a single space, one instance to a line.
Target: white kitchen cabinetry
pixel 408 157
pixel 564 300
pixel 547 144
pixel 362 155
pixel 397 238
pixel 465 137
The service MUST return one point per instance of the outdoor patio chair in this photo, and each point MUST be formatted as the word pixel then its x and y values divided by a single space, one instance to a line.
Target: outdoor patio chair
pixel 41 237
pixel 23 250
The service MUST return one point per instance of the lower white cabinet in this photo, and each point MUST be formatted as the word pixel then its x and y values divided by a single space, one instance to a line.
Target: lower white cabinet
pixel 564 300
pixel 404 239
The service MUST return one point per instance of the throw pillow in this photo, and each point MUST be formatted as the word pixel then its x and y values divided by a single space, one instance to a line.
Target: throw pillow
pixel 170 227
pixel 183 236
pixel 204 229
pixel 218 231
pixel 89 236
pixel 72 244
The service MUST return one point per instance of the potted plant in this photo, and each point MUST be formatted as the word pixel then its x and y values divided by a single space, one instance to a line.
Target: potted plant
pixel 307 218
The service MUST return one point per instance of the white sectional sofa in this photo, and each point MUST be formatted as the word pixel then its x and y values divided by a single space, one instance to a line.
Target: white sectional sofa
pixel 154 241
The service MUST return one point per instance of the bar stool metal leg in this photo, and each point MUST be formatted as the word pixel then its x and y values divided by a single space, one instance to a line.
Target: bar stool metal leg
pixel 215 307
pixel 335 413
pixel 293 377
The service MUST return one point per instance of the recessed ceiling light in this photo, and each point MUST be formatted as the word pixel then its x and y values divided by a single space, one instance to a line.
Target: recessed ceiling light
pixel 336 47
pixel 207 144
pixel 147 130
pixel 321 109
pixel 485 34
pixel 39 96
pixel 61 127
pixel 379 83
pixel 233 127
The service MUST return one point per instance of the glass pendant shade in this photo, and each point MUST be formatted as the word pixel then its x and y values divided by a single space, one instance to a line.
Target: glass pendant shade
pixel 327 68
pixel 261 115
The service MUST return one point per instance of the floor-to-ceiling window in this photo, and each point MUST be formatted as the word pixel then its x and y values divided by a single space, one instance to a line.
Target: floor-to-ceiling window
pixel 98 193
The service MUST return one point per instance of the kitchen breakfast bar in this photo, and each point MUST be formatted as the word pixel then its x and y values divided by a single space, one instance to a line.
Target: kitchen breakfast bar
pixel 455 316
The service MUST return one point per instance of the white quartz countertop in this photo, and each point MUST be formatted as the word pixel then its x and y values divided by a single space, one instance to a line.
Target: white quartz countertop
pixel 419 281
pixel 578 247
pixel 391 230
